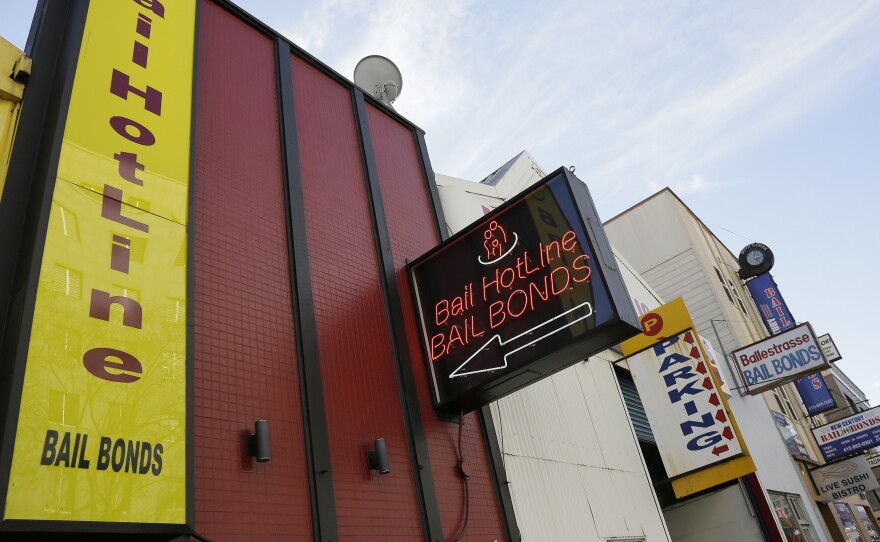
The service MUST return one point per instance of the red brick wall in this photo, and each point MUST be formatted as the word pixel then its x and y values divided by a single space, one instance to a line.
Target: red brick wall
pixel 360 387
pixel 245 356
pixel 412 231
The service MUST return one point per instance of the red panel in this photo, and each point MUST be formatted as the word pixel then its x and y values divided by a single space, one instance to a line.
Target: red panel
pixel 412 231
pixel 245 355
pixel 361 396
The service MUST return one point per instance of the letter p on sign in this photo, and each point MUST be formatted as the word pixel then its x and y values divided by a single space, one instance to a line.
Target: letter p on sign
pixel 652 323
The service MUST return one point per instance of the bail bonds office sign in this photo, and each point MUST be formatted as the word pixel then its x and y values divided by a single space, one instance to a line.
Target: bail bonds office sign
pixel 525 292
pixel 101 433
pixel 781 358
pixel 849 435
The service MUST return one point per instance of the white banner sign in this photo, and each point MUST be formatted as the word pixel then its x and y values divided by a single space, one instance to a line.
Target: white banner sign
pixel 826 343
pixel 684 407
pixel 779 359
pixel 843 479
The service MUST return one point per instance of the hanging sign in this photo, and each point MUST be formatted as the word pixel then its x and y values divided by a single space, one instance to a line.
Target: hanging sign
pixel 829 349
pixel 779 359
pixel 849 435
pixel 689 415
pixel 842 479
pixel 771 306
pixel 815 394
pixel 527 291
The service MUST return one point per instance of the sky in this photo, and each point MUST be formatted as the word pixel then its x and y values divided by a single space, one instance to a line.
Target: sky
pixel 764 117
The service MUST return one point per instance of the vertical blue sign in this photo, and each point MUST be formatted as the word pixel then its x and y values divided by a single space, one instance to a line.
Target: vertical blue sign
pixel 770 304
pixel 777 318
pixel 815 394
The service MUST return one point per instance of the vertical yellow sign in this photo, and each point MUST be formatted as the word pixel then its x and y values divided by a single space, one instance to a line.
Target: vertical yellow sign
pixel 101 433
pixel 690 419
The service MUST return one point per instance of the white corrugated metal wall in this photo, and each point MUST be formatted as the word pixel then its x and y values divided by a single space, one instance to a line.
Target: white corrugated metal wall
pixel 574 465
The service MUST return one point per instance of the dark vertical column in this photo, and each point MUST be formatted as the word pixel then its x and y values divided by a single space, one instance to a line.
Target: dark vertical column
pixel 311 386
pixel 487 425
pixel 418 448
pixel 27 199
pixel 190 289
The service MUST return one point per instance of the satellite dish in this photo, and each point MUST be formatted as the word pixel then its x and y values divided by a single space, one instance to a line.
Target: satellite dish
pixel 380 77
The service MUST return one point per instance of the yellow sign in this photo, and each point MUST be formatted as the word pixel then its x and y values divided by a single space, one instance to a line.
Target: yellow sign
pixel 101 433
pixel 697 435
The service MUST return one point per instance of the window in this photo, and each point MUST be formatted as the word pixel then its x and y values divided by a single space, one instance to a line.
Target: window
pixel 724 285
pixel 792 518
pixel 867 523
pixel 848 522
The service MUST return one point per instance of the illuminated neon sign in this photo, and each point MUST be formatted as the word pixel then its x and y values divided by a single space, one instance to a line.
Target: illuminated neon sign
pixel 525 292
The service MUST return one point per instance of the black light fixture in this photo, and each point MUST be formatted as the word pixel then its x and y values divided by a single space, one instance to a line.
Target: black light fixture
pixel 377 458
pixel 257 444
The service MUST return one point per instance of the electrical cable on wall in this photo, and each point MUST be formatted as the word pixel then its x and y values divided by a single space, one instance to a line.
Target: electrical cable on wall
pixel 464 480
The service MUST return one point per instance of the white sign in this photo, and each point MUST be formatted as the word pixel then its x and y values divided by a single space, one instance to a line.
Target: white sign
pixel 826 343
pixel 684 407
pixel 779 359
pixel 874 461
pixel 844 478
pixel 713 358
pixel 849 435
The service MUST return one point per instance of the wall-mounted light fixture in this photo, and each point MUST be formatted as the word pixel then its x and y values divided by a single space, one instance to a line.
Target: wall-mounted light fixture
pixel 257 444
pixel 377 458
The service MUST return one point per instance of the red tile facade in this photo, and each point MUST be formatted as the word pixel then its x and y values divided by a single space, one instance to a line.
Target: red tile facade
pixel 245 365
pixel 412 231
pixel 245 360
pixel 361 395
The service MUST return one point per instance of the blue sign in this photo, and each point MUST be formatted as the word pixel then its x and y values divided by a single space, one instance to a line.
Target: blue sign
pixel 770 304
pixel 849 435
pixel 815 394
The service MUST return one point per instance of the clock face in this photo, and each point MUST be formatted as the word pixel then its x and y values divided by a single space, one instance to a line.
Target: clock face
pixel 755 257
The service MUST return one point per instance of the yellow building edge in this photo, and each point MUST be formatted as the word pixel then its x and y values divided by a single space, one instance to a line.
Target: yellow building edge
pixel 15 68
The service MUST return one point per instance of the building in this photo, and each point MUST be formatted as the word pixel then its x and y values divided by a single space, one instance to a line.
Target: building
pixel 199 335
pixel 679 256
pixel 573 462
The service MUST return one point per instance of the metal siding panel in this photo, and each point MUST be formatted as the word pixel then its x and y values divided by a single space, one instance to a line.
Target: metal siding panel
pixel 636 410
pixel 550 501
pixel 572 459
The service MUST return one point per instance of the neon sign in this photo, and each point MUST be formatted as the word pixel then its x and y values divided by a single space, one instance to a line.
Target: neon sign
pixel 525 292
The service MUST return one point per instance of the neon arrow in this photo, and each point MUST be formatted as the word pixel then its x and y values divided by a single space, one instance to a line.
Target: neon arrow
pixel 458 371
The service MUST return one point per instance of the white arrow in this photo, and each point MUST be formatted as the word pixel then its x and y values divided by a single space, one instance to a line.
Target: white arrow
pixel 457 372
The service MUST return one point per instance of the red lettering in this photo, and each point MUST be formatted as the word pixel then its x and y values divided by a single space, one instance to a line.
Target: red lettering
pixel 551 246
pixel 525 303
pixel 579 264
pixel 111 209
pixel 559 286
pixel 568 241
pixel 507 272
pixel 496 309
pixel 132 314
pixel 486 286
pixel 143 137
pixel 120 85
pixel 437 343
pixel 153 5
pixel 438 311
pixel 97 362
pixel 129 166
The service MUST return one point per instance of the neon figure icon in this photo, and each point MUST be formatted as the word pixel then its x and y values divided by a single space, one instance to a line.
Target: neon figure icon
pixel 495 239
